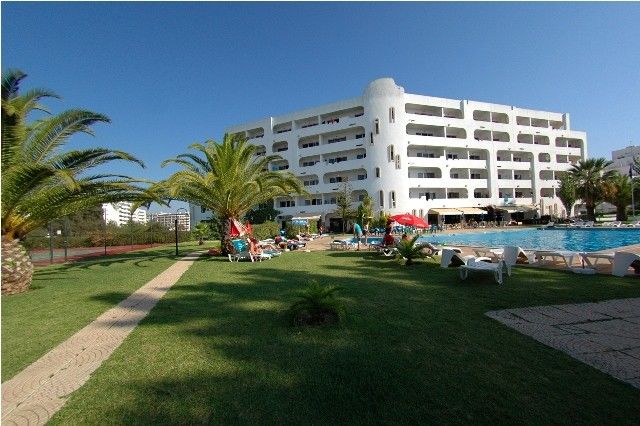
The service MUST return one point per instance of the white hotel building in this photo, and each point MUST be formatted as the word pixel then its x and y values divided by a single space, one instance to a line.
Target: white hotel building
pixel 419 154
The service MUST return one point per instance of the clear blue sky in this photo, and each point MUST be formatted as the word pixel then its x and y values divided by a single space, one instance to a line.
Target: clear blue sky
pixel 170 74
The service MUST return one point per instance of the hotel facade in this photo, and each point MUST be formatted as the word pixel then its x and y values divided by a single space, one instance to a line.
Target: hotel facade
pixel 432 157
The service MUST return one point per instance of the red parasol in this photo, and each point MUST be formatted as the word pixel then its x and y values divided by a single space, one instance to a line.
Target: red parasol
pixel 410 220
pixel 237 229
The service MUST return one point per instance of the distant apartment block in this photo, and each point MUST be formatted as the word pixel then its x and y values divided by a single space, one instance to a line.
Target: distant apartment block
pixel 623 158
pixel 432 157
pixel 120 213
pixel 168 220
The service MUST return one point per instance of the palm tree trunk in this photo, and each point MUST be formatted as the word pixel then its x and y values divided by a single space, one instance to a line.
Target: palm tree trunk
pixel 17 268
pixel 591 212
pixel 225 242
pixel 621 213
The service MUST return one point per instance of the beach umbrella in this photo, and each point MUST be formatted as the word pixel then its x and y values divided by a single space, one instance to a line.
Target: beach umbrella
pixel 409 220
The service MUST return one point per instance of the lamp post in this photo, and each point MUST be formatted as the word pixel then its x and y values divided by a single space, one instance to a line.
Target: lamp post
pixel 176 226
pixel 104 228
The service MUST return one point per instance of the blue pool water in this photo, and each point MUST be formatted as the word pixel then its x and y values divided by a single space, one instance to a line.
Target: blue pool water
pixel 558 239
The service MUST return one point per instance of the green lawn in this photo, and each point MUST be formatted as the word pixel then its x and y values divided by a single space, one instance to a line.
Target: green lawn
pixel 65 298
pixel 415 348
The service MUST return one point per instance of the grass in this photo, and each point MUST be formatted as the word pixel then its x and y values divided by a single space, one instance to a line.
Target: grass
pixel 415 347
pixel 65 298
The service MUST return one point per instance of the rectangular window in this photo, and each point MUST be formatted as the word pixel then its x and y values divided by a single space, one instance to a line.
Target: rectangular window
pixel 517 177
pixel 454 176
pixel 381 194
pixel 413 212
pixel 392 115
pixel 377 126
pixel 361 156
pixel 452 156
pixel 519 194
pixel 398 165
pixel 454 195
pixel 377 172
pixel 475 176
pixel 288 203
pixel 362 177
pixel 392 198
pixel 360 136
pixel 338 139
pixel 391 153
pixel 421 213
pixel 371 138
pixel 474 157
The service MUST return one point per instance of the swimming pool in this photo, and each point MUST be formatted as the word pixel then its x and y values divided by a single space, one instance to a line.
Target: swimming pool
pixel 582 239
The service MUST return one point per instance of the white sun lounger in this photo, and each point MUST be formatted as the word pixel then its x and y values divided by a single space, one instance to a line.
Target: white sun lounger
pixel 591 259
pixel 494 253
pixel 452 259
pixel 622 262
pixel 438 249
pixel 478 265
pixel 556 255
pixel 511 255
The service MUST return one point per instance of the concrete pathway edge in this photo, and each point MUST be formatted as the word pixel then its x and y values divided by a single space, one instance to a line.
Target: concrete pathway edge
pixel 35 394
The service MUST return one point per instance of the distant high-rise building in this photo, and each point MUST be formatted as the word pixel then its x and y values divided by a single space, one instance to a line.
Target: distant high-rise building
pixel 623 158
pixel 120 213
pixel 168 220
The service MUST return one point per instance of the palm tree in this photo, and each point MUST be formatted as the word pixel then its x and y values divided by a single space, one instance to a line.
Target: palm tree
pixel 567 192
pixel 408 250
pixel 617 191
pixel 229 179
pixel 589 177
pixel 41 183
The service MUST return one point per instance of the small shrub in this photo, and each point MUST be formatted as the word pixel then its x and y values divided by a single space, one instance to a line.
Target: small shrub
pixel 409 250
pixel 317 306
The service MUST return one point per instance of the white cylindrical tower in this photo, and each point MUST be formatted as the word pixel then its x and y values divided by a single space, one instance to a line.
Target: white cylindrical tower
pixel 384 109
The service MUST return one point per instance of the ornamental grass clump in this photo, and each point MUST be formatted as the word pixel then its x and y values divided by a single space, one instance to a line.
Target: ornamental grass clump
pixel 317 306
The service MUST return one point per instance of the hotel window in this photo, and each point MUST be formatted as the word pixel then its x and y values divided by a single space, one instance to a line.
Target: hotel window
pixel 362 177
pixel 377 172
pixel 371 138
pixel 377 126
pixel 392 199
pixel 454 176
pixel 381 194
pixel 391 153
pixel 476 176
pixel 392 115
pixel 289 203
pixel 474 157
pixel 398 165
pixel 453 195
pixel 452 156
pixel 360 136
pixel 421 213
pixel 519 194
pixel 413 212
pixel 361 156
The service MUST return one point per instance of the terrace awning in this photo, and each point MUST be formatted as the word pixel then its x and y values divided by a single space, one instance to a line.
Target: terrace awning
pixel 445 212
pixel 471 210
pixel 516 209
pixel 303 216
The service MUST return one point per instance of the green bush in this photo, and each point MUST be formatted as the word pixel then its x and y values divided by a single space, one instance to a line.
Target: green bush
pixel 317 306
pixel 266 230
pixel 408 251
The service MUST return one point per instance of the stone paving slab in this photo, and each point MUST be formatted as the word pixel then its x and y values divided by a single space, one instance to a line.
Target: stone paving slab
pixel 604 335
pixel 35 394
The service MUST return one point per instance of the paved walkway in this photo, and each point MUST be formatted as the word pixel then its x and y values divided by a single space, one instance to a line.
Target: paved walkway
pixel 604 335
pixel 34 395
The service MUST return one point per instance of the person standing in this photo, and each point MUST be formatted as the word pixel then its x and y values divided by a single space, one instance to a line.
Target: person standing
pixel 357 232
pixel 365 232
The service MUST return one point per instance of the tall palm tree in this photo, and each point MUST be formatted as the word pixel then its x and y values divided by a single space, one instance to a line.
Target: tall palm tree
pixel 589 177
pixel 229 179
pixel 617 191
pixel 39 181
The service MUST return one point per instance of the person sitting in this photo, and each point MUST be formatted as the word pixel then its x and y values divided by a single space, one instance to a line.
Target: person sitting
pixel 388 240
pixel 253 246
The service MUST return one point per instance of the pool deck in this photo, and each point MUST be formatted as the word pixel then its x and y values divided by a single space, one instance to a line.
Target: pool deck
pixel 600 267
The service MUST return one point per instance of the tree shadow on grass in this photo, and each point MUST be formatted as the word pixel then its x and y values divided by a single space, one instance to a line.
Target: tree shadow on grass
pixel 415 345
